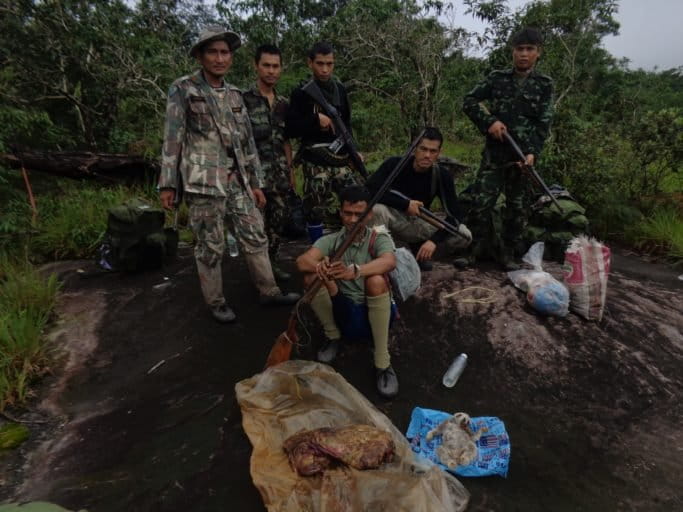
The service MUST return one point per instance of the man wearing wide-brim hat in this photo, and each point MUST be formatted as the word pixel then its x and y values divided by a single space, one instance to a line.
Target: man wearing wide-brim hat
pixel 209 154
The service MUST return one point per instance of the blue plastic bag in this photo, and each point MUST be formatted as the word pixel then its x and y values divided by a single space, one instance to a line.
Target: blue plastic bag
pixel 493 446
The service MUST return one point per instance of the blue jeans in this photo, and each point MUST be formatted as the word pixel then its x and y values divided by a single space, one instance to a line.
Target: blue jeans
pixel 352 318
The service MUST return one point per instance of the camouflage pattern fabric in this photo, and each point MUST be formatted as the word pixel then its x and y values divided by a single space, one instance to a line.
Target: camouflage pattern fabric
pixel 277 217
pixel 524 105
pixel 194 146
pixel 206 220
pixel 490 183
pixel 555 229
pixel 268 127
pixel 320 205
pixel 406 229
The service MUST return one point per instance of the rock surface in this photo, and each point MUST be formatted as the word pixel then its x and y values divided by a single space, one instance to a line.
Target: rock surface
pixel 143 416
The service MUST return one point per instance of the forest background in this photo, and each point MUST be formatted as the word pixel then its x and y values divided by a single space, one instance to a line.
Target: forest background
pixel 93 75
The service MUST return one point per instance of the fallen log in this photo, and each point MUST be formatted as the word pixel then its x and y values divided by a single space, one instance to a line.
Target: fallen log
pixel 104 167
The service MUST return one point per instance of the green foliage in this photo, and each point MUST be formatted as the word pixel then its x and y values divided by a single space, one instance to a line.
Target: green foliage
pixel 12 435
pixel 662 233
pixel 71 220
pixel 27 300
pixel 657 139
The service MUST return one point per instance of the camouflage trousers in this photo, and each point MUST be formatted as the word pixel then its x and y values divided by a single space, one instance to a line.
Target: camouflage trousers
pixel 491 181
pixel 407 229
pixel 320 183
pixel 276 216
pixel 206 219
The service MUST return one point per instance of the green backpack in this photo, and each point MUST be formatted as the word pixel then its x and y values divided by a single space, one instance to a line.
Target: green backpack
pixel 135 239
pixel 546 223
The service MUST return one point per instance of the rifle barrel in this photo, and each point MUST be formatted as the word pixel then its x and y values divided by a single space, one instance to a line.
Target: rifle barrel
pixel 432 219
pixel 532 169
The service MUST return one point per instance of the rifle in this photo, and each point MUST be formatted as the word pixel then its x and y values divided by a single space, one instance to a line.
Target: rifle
pixel 536 177
pixel 282 348
pixel 345 138
pixel 432 219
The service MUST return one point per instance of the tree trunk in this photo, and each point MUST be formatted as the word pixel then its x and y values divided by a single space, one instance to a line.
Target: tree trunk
pixel 104 167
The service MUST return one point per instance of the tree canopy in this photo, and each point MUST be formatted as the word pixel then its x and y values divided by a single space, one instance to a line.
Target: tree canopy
pixel 85 74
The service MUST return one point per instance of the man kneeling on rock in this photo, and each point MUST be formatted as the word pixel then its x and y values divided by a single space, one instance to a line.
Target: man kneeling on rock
pixel 420 182
pixel 355 300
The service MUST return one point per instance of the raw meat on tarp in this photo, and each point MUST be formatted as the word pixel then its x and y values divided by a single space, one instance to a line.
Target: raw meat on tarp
pixel 304 395
pixel 305 455
pixel 358 446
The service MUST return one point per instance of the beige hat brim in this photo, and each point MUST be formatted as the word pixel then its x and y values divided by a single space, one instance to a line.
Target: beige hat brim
pixel 233 40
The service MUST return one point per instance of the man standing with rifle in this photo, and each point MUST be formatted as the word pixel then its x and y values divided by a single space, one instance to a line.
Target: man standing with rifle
pixel 415 188
pixel 208 142
pixel 323 152
pixel 516 103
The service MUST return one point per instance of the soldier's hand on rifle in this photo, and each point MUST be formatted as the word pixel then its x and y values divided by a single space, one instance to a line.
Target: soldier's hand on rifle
pixel 426 251
pixel 259 197
pixel 414 208
pixel 497 129
pixel 528 162
pixel 340 271
pixel 167 195
pixel 322 268
pixel 325 122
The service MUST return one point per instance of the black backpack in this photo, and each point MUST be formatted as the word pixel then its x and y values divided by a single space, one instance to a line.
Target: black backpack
pixel 135 239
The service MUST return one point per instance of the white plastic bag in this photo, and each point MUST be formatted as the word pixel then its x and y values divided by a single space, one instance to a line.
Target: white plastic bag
pixel 587 264
pixel 543 292
pixel 406 277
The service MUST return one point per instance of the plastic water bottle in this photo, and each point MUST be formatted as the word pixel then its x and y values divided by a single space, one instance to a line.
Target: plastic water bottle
pixel 454 371
pixel 232 245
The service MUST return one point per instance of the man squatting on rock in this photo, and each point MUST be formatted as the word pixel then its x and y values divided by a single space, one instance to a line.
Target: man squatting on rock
pixel 518 101
pixel 422 180
pixel 208 140
pixel 355 300
pixel 323 173
pixel 267 111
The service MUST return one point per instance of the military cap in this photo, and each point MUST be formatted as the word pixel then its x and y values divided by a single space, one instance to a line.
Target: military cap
pixel 528 35
pixel 216 33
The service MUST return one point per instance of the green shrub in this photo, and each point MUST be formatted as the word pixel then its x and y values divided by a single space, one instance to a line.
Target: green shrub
pixel 661 233
pixel 27 300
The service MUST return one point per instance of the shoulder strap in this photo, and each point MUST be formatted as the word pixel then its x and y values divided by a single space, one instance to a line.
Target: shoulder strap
pixel 371 244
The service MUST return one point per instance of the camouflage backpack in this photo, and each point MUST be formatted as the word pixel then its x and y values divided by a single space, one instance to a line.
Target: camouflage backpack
pixel 136 239
pixel 547 224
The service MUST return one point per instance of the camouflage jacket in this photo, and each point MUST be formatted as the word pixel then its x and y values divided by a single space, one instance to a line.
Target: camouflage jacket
pixel 525 108
pixel 193 145
pixel 268 127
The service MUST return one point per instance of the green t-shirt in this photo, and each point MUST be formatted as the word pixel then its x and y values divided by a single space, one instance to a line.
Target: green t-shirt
pixel 357 253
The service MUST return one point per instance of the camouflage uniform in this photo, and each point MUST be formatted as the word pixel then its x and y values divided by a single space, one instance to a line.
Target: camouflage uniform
pixel 524 105
pixel 320 178
pixel 216 181
pixel 268 127
pixel 320 182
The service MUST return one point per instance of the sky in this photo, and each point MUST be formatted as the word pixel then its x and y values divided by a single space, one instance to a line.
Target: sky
pixel 650 35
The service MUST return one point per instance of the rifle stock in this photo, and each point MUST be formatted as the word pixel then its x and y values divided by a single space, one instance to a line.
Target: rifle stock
pixel 312 89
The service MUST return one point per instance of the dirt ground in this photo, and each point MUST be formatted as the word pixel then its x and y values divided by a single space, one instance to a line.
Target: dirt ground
pixel 141 416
